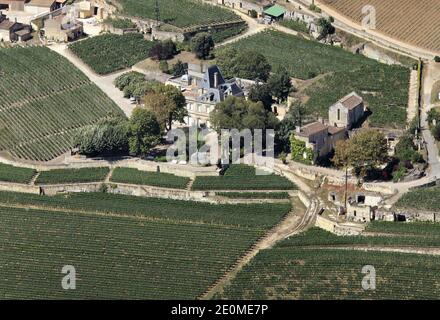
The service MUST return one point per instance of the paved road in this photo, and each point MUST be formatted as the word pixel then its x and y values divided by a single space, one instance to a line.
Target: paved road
pixel 105 83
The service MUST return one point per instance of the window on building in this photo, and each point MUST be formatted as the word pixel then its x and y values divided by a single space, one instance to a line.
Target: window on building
pixel 339 114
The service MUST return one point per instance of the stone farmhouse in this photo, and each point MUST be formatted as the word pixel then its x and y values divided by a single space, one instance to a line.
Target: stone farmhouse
pixel 62 28
pixel 203 89
pixel 321 137
pixel 11 31
pixel 347 112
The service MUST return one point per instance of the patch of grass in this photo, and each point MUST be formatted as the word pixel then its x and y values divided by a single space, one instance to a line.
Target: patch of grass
pixel 296 25
pixel 158 179
pixel 59 176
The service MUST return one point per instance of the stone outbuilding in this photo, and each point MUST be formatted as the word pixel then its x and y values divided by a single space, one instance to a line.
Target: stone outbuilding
pixel 11 31
pixel 347 112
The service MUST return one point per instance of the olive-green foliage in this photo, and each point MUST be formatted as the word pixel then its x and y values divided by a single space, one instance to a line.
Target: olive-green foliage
pixel 108 137
pixel 144 131
pixel 299 151
pixel 238 113
pixel 202 45
pixel 247 64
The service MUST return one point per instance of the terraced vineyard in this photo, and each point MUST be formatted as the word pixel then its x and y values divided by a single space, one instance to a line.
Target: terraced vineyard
pixel 148 250
pixel 383 87
pixel 44 100
pixel 312 266
pixel 180 13
pixel 413 21
pixel 157 179
pixel 421 199
pixel 10 173
pixel 111 52
pixel 72 175
pixel 242 177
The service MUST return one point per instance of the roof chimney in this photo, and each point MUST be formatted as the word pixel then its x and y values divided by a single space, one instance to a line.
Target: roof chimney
pixel 215 79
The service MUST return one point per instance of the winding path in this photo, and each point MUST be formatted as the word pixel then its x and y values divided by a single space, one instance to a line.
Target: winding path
pixel 105 83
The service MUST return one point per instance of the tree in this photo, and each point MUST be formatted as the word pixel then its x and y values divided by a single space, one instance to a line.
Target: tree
pixel 167 103
pixel 326 28
pixel 128 79
pixel 163 50
pixel 280 85
pixel 364 151
pixel 261 92
pixel 164 67
pixel 144 131
pixel 435 130
pixel 179 68
pixel 238 113
pixel 243 64
pixel 107 137
pixel 202 45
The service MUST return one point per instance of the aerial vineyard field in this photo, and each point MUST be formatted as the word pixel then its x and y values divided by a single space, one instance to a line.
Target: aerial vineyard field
pixel 241 177
pixel 412 21
pixel 159 253
pixel 383 87
pixel 180 13
pixel 72 175
pixel 44 100
pixel 293 270
pixel 111 52
pixel 10 173
pixel 421 199
pixel 242 215
pixel 157 179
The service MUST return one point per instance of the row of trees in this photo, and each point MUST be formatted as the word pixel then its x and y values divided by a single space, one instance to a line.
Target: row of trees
pixel 117 135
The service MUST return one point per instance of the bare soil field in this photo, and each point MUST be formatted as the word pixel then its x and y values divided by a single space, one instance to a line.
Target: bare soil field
pixel 415 22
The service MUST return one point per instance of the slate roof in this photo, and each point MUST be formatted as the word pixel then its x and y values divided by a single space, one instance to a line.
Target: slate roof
pixel 311 129
pixel 351 101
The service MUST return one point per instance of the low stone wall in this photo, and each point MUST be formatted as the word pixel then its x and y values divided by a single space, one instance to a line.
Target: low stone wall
pixel 337 228
pixel 75 163
pixel 167 35
pixel 379 188
pixel 16 187
pixel 419 215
